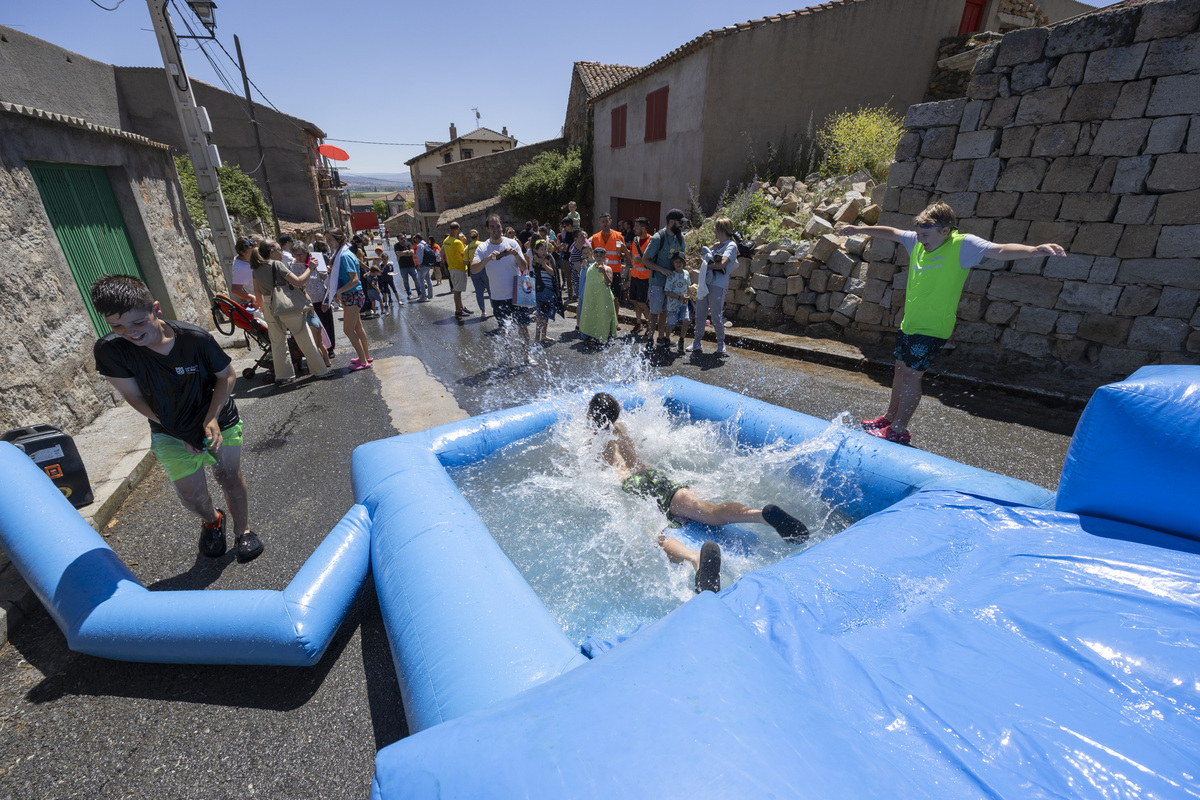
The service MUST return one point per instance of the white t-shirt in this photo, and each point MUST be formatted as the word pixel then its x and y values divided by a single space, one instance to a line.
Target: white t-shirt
pixel 243 273
pixel 972 252
pixel 501 271
pixel 288 259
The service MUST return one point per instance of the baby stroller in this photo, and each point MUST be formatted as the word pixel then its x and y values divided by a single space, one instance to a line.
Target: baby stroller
pixel 228 315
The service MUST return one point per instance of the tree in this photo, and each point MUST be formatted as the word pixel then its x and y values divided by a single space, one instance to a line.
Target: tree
pixel 381 208
pixel 243 200
pixel 542 188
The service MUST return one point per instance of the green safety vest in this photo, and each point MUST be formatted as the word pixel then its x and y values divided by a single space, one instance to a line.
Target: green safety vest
pixel 935 283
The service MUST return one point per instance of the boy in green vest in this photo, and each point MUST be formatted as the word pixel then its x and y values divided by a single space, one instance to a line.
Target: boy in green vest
pixel 940 258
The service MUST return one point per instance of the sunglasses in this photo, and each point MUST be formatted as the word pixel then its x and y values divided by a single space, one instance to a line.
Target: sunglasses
pixel 928 226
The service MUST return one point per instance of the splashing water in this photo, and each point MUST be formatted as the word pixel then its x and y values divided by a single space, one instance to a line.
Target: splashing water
pixel 590 550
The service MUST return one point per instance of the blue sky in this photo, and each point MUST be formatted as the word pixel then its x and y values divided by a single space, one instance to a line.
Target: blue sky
pixel 398 72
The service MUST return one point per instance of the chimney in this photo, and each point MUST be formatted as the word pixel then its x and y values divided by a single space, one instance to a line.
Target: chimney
pixel 504 131
pixel 453 132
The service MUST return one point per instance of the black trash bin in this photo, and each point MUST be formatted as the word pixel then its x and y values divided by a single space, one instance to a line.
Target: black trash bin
pixel 56 454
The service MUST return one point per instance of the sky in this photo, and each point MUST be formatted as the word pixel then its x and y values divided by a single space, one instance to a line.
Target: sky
pixel 397 71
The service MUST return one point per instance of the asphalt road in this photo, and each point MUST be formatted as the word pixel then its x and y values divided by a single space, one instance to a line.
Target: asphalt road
pixel 77 726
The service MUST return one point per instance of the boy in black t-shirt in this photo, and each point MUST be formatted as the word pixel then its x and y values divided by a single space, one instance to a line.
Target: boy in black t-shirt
pixel 178 377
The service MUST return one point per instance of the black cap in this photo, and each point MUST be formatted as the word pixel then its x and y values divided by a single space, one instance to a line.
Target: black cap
pixel 285 239
pixel 674 213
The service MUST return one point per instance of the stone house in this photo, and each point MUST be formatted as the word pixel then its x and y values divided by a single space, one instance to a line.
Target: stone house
pixel 1086 134
pixel 137 99
pixel 425 169
pixel 398 201
pixel 694 116
pixel 589 80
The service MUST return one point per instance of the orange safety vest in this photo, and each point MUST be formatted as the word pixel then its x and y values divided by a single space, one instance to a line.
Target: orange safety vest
pixel 639 247
pixel 611 257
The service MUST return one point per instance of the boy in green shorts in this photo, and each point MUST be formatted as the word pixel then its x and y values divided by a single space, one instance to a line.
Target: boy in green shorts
pixel 940 259
pixel 178 377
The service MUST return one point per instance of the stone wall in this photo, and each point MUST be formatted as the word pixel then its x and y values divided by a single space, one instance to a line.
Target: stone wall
pixel 951 78
pixel 47 364
pixel 474 179
pixel 1088 135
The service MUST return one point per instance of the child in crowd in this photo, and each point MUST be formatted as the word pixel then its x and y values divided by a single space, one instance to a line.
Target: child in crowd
pixel 677 300
pixel 370 282
pixel 598 316
pixel 546 280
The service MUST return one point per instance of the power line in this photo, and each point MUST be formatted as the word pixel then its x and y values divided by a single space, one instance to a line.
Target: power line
pixel 389 144
pixel 106 8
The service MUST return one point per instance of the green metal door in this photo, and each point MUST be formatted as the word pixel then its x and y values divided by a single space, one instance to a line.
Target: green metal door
pixel 87 221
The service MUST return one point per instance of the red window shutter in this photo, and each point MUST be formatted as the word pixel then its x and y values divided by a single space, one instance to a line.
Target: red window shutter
pixel 972 18
pixel 618 125
pixel 656 115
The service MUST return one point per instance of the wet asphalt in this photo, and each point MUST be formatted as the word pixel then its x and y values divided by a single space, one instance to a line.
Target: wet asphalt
pixel 78 726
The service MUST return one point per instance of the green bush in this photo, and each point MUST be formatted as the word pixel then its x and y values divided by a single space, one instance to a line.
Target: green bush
pixel 542 188
pixel 380 208
pixel 243 200
pixel 862 139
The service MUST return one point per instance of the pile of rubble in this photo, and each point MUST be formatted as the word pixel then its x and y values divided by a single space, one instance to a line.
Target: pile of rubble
pixel 818 276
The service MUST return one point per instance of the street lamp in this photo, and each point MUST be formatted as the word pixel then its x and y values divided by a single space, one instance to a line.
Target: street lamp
pixel 205 10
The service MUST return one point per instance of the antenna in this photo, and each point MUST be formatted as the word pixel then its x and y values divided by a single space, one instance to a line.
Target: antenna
pixel 476 110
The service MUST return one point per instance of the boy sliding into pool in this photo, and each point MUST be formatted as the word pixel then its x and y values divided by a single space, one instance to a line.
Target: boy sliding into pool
pixel 678 500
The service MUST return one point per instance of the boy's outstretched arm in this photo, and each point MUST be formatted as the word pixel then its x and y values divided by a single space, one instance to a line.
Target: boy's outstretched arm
pixel 1012 252
pixel 878 231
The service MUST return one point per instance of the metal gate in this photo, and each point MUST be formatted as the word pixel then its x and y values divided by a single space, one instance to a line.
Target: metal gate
pixel 87 221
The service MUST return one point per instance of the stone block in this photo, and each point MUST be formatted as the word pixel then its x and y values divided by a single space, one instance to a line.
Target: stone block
pixel 779 256
pixel 788 307
pixel 855 286
pixel 1027 77
pixel 975 333
pixel 1068 323
pixel 1157 333
pixel 997 204
pixel 1172 56
pixel 794 284
pixel 841 262
pixel 761 283
pixel 791 268
pixel 1104 175
pixel 984 174
pixel 1120 137
pixel 999 313
pixel 938 142
pixel 1069 267
pixel 1038 206
pixel 1103 329
pixel 963 203
pixel 790 222
pixel 1088 207
pixel 1130 175
pixel 856 244
pixel 1178 241
pixel 875 290
pixel 881 271
pixel 1193 342
pixel 801 316
pixel 768 300
pixel 1138 241
pixel 1115 63
pixel 1183 273
pixel 1094 32
pixel 909 146
pixel 870 214
pixel 817 227
pixel 1174 172
pixel 1193 140
pixel 1041 232
pixel 825 246
pixel 926 174
pixel 868 313
pixel 1055 140
pixel 1121 360
pixel 913 201
pixel 1017 142
pixel 1022 175
pixel 1097 238
pixel 836 283
pixel 1092 101
pixel 932 115
pixel 848 307
pixel 1069 71
pixel 1177 303
pixel 1167 135
pixel 978 281
pixel 901 173
pixel 971 307
pixel 1175 94
pixel 1179 208
pixel 1104 270
pixel 1137 301
pixel 1032 290
pixel 1087 135
pixel 1135 209
pixel 1035 320
pixel 972 114
pixel 1021 47
pixel 819 281
pixel 1133 99
pixel 955 176
pixel 1074 174
pixel 985 86
pixel 1010 230
pixel 1043 106
pixel 848 212
pixel 891 199
pixel 1029 344
pixel 807 266
pixel 1083 296
pixel 1002 112
pixel 1169 18
pixel 840 319
pixel 778 286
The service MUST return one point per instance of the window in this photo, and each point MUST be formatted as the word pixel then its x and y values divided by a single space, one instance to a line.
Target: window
pixel 467 153
pixel 447 158
pixel 972 18
pixel 618 125
pixel 656 115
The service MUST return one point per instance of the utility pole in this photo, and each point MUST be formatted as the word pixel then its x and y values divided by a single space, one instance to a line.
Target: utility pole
pixel 262 158
pixel 194 121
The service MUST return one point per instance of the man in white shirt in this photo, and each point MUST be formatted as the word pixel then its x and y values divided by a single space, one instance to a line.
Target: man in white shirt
pixel 502 259
pixel 285 246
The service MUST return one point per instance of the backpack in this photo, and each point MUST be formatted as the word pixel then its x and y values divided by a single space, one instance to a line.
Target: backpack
pixel 429 259
pixel 745 248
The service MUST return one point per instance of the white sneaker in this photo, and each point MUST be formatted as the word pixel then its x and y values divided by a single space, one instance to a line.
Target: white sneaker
pixel 531 361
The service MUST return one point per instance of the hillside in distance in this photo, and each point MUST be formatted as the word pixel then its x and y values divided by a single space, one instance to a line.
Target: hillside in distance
pixel 377 182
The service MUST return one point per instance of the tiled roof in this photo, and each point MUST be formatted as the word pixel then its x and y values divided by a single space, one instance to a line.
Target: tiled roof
pixel 705 39
pixel 77 122
pixel 598 78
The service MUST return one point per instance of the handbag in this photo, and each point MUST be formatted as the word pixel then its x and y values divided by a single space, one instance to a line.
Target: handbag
pixel 286 298
pixel 524 291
